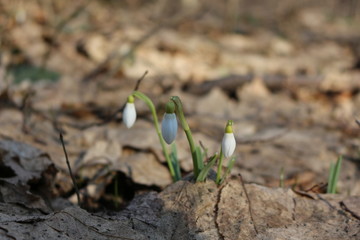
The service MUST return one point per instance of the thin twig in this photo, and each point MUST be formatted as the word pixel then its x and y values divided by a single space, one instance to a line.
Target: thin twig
pixel 108 119
pixel 137 85
pixel 317 188
pixel 303 193
pixel 140 80
pixel 248 199
pixel 27 108
pixel 70 172
pixel 113 116
pixel 326 201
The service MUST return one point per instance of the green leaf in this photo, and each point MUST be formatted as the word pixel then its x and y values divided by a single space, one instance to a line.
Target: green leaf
pixel 228 170
pixel 334 175
pixel 175 162
pixel 205 170
pixel 33 73
pixel 199 157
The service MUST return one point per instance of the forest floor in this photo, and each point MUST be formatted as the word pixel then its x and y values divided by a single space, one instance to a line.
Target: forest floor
pixel 287 74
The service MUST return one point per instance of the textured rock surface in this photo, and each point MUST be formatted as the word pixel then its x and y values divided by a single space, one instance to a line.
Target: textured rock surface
pixel 198 211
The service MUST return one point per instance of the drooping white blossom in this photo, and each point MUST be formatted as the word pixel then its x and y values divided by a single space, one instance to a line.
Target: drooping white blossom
pixel 169 127
pixel 228 142
pixel 129 114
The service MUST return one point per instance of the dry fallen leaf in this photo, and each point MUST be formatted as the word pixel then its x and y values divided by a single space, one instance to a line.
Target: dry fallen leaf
pixel 24 167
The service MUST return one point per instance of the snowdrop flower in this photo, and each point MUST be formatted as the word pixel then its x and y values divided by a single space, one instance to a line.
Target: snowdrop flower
pixel 169 124
pixel 129 113
pixel 228 142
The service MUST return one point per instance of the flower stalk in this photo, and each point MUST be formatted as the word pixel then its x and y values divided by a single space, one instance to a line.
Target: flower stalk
pixel 151 106
pixel 197 162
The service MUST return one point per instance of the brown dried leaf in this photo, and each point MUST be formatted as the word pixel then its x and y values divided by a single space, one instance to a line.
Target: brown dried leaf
pixel 23 166
pixel 144 169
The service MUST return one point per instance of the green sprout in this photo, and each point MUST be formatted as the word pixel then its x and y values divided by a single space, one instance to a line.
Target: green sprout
pixel 334 175
pixel 205 171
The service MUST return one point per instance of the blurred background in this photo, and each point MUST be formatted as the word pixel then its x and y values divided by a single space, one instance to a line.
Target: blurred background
pixel 286 72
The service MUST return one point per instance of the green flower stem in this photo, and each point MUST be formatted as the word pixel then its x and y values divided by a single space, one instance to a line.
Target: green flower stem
pixel 150 104
pixel 196 162
pixel 218 174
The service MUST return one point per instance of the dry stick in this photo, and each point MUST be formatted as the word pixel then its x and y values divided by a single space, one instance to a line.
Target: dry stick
pixel 317 188
pixel 137 85
pixel 109 119
pixel 248 199
pixel 56 123
pixel 70 172
pixel 303 193
pixel 358 122
pixel 346 209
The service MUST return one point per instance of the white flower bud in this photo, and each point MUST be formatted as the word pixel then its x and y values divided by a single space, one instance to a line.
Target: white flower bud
pixel 169 127
pixel 228 144
pixel 129 114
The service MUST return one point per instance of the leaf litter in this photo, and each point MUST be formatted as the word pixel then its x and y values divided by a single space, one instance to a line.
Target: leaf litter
pixel 292 91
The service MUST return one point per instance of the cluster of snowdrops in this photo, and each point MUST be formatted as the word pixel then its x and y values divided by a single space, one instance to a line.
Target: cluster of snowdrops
pixel 168 132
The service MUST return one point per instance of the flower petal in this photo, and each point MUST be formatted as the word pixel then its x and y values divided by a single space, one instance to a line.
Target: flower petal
pixel 169 127
pixel 228 144
pixel 129 115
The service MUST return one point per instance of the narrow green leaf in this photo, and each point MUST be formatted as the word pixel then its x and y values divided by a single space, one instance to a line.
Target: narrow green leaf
pixel 336 174
pixel 199 158
pixel 174 150
pixel 197 162
pixel 205 170
pixel 175 161
pixel 228 170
